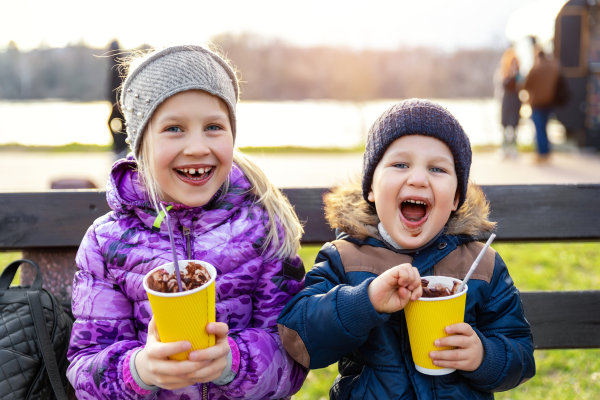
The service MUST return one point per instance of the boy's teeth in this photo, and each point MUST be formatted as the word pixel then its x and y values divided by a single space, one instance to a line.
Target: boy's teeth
pixel 192 171
pixel 415 202
pixel 200 170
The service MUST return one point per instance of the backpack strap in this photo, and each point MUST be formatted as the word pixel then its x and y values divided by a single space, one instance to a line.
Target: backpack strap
pixel 41 331
pixel 9 273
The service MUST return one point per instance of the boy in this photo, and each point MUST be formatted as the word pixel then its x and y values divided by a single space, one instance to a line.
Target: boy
pixel 414 215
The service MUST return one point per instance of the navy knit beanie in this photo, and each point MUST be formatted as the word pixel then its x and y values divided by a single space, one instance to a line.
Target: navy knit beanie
pixel 417 117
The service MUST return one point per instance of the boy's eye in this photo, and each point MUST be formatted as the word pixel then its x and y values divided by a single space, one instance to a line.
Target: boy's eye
pixel 173 129
pixel 400 165
pixel 213 128
pixel 436 169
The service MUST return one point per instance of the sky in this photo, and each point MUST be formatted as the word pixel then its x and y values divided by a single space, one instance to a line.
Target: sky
pixel 385 24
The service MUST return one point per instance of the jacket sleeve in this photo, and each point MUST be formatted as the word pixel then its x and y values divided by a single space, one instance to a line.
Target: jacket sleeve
pixel 505 335
pixel 104 332
pixel 266 370
pixel 320 324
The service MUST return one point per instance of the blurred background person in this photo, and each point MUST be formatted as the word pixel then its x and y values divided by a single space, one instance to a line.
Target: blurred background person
pixel 509 82
pixel 115 120
pixel 540 84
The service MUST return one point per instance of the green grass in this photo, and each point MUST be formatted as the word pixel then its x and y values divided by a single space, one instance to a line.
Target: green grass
pixel 7 258
pixel 561 374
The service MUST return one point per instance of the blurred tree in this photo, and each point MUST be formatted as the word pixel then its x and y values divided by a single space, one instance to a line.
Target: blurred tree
pixel 10 78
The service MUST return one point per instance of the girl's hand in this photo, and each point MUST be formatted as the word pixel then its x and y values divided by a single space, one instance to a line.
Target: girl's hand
pixel 213 359
pixel 154 367
pixel 391 291
pixel 469 353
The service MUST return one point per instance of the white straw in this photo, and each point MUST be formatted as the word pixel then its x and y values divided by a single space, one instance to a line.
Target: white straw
pixel 476 263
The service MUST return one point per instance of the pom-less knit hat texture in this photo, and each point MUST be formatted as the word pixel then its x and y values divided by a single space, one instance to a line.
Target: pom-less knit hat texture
pixel 168 72
pixel 417 117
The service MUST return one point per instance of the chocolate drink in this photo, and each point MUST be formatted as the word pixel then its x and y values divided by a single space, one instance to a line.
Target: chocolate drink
pixel 439 290
pixel 193 276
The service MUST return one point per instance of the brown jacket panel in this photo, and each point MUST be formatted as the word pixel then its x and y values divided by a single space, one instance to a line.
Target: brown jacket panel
pixel 458 262
pixel 541 83
pixel 376 260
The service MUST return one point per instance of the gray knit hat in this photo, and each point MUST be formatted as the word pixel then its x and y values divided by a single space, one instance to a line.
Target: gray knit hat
pixel 417 117
pixel 170 71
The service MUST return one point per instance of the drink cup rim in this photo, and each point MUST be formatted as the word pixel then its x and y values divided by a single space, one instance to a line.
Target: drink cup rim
pixel 436 277
pixel 170 266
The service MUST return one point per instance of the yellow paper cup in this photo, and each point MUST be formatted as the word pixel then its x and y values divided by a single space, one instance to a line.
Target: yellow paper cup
pixel 426 319
pixel 184 315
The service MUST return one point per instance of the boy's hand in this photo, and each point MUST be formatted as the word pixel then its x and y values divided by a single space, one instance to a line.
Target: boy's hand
pixel 469 353
pixel 155 368
pixel 214 358
pixel 391 291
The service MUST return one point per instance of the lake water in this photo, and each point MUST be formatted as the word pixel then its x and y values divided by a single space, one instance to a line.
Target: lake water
pixel 310 123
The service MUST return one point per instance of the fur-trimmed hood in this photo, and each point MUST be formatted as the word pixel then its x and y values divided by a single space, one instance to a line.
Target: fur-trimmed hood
pixel 346 210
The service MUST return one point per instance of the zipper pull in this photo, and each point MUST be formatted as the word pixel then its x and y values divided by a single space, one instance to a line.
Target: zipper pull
pixel 188 244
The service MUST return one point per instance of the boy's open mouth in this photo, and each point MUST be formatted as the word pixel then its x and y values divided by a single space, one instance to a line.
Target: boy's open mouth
pixel 414 211
pixel 194 176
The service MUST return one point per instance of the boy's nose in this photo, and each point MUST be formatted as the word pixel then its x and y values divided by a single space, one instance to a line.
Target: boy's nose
pixel 418 178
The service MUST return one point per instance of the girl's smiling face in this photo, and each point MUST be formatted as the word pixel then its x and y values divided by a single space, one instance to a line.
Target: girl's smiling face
pixel 192 147
pixel 414 189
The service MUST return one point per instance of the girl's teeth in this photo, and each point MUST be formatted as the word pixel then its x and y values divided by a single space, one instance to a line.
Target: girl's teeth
pixel 200 170
pixel 192 171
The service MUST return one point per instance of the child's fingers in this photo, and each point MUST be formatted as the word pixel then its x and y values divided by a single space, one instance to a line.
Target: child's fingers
pixel 161 351
pixel 208 373
pixel 153 331
pixel 460 329
pixel 211 353
pixel 219 329
pixel 461 341
pixel 417 293
pixel 174 371
pixel 415 279
pixel 404 293
pixel 405 275
pixel 460 365
pixel 450 355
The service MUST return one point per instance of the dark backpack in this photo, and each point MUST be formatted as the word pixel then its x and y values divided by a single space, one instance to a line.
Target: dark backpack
pixel 34 339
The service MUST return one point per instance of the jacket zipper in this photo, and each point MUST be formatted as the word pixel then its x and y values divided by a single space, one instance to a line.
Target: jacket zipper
pixel 204 391
pixel 188 242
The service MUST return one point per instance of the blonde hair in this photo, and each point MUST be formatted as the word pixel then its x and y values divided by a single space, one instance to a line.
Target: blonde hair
pixel 277 206
pixel 507 58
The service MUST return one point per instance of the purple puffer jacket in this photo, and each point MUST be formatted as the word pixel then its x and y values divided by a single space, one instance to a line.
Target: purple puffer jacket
pixel 113 311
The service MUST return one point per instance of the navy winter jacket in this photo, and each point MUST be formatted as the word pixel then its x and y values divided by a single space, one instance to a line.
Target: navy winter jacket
pixel 332 320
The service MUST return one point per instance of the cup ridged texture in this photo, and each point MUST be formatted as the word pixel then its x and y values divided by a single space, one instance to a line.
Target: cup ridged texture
pixel 426 321
pixel 185 318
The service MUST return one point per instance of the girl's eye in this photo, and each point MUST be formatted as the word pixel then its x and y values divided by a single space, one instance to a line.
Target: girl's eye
pixel 173 129
pixel 401 166
pixel 436 169
pixel 213 128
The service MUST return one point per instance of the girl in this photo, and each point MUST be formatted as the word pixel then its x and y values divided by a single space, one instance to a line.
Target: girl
pixel 179 105
pixel 510 80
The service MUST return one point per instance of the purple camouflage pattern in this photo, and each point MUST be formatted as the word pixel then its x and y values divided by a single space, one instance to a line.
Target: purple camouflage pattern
pixel 113 311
